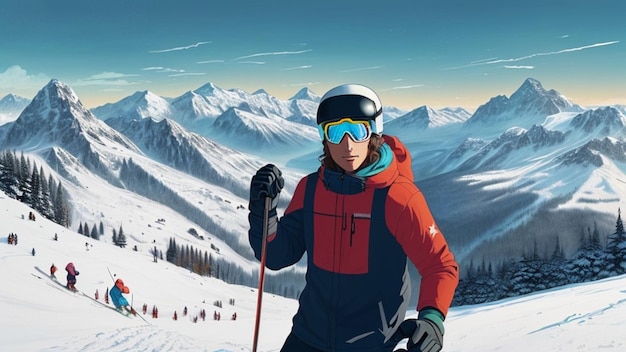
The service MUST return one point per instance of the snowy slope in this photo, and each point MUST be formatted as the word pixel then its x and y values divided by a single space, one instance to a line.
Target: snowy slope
pixel 39 316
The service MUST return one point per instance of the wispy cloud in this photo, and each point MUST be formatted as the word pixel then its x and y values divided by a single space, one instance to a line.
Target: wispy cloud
pixel 253 62
pixel 15 77
pixel 179 48
pixel 519 67
pixel 303 67
pixel 549 53
pixel 306 84
pixel 361 69
pixel 110 75
pixel 210 62
pixel 107 79
pixel 408 87
pixel 162 69
pixel 103 82
pixel 187 74
pixel 273 53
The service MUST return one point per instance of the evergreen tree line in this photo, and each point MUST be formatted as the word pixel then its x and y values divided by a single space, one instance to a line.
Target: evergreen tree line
pixel 285 283
pixel 21 179
pixel 591 261
pixel 95 232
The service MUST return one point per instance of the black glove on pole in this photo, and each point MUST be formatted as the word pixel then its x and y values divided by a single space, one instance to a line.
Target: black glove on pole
pixel 266 183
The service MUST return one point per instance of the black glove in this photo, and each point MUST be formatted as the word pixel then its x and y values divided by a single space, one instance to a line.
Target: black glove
pixel 76 272
pixel 267 182
pixel 426 336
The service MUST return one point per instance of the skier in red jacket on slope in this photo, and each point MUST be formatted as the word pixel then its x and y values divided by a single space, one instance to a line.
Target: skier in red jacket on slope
pixel 359 217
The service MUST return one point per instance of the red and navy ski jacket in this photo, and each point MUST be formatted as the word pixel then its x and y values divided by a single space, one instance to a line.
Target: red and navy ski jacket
pixel 357 234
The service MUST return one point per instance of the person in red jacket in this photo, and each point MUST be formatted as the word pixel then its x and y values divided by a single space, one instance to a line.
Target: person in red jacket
pixel 53 270
pixel 359 218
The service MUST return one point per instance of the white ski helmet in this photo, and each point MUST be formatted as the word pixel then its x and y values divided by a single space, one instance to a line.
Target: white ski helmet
pixel 350 100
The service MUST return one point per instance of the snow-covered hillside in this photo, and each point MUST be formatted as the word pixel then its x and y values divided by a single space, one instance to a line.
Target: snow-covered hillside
pixel 37 315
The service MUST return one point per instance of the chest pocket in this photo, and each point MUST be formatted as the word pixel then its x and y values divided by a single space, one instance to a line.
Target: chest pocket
pixel 341 241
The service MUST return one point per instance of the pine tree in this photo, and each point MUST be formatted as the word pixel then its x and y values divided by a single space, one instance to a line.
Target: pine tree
pixel 114 237
pixel 24 181
pixel 8 178
pixel 121 238
pixel 616 248
pixel 35 190
pixel 47 209
pixel 94 233
pixel 172 252
pixel 61 208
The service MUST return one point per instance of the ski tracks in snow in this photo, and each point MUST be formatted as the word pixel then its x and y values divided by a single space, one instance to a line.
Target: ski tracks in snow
pixel 142 338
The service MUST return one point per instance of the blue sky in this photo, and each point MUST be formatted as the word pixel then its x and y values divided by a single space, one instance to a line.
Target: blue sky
pixel 441 53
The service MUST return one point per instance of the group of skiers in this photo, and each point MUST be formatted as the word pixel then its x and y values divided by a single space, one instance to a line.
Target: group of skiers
pixel 119 301
pixel 116 291
pixel 12 239
pixel 202 315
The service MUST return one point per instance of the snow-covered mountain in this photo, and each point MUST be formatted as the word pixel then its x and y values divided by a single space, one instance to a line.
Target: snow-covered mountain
pixel 424 117
pixel 11 106
pixel 135 107
pixel 533 157
pixel 529 105
pixel 146 163
pixel 215 113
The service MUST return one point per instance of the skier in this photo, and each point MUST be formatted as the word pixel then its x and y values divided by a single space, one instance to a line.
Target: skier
pixel 53 270
pixel 71 276
pixel 118 300
pixel 359 217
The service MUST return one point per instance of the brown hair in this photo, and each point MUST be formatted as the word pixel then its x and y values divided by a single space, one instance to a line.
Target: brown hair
pixel 372 156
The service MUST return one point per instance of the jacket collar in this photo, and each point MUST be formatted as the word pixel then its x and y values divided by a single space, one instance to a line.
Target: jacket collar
pixel 400 165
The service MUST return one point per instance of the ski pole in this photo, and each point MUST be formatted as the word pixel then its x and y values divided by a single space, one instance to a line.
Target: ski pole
pixel 111 275
pixel 268 204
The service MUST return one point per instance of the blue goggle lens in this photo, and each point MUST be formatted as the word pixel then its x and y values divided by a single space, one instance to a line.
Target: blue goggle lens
pixel 359 131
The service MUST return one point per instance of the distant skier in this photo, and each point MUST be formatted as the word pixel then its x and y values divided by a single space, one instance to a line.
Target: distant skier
pixel 71 276
pixel 53 270
pixel 118 300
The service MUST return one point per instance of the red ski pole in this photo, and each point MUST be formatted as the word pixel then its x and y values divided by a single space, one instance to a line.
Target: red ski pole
pixel 268 204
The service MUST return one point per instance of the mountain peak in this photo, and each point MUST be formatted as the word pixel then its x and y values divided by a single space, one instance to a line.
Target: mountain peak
pixel 529 104
pixel 305 94
pixel 12 101
pixel 531 84
pixel 260 91
pixel 207 89
pixel 57 89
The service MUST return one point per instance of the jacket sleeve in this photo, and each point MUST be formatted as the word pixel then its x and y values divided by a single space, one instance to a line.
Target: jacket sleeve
pixel 424 244
pixel 285 240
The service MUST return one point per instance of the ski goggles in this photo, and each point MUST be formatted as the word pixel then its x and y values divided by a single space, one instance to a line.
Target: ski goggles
pixel 358 130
